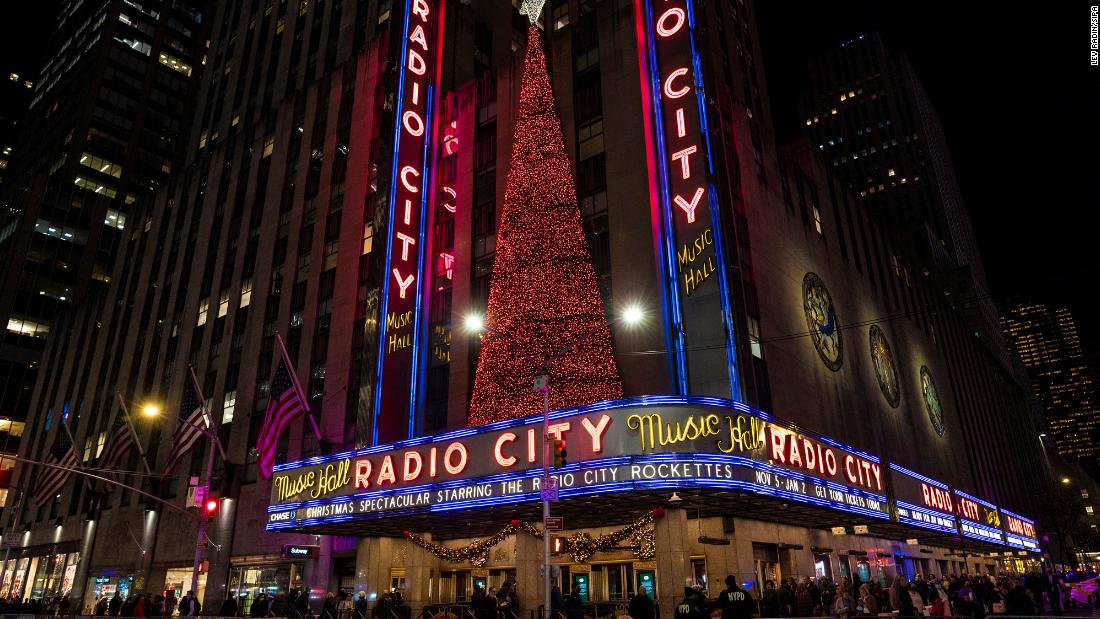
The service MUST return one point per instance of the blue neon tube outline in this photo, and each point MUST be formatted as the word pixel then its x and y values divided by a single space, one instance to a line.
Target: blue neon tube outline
pixel 672 285
pixel 389 231
pixel 918 476
pixel 715 216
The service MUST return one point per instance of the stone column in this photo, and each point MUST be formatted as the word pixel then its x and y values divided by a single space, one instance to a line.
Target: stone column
pixel 673 558
pixel 528 551
pixel 80 581
pixel 220 534
pixel 149 523
pixel 419 572
pixel 317 574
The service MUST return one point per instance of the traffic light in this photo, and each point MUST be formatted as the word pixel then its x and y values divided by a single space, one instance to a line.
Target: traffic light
pixel 560 456
pixel 211 506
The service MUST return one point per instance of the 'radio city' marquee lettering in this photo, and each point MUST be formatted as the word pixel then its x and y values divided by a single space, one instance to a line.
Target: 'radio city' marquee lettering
pixel 404 291
pixel 1019 526
pixel 936 498
pixel 789 448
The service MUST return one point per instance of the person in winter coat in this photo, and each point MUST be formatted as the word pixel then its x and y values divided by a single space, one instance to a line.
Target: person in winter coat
pixel 770 602
pixel 641 607
pixel 845 606
pixel 189 605
pixel 689 608
pixel 899 597
pixel 867 601
pixel 114 607
pixel 139 606
pixel 735 602
pixel 229 606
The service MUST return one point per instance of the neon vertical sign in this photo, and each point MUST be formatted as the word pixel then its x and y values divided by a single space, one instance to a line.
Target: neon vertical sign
pixel 404 289
pixel 687 221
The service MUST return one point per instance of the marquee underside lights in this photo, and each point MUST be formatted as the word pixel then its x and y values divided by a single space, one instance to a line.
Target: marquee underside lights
pixel 686 222
pixel 405 290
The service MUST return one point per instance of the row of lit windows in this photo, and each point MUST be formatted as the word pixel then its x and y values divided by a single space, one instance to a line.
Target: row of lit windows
pixel 101 165
pixel 95 187
pixel 223 302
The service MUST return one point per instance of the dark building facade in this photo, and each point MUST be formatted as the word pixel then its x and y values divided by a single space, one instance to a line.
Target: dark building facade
pixel 1047 342
pixel 103 130
pixel 873 124
pixel 276 223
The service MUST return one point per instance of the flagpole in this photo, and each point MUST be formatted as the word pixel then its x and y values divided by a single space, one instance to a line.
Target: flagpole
pixel 297 385
pixel 205 483
pixel 133 433
pixel 73 446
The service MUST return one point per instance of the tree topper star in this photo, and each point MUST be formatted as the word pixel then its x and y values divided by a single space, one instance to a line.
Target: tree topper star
pixel 532 9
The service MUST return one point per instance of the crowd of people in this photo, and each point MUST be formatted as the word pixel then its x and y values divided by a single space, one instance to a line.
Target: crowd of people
pixel 977 596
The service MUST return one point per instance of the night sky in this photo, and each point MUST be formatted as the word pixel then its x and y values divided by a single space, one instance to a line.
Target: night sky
pixel 1014 90
pixel 1020 106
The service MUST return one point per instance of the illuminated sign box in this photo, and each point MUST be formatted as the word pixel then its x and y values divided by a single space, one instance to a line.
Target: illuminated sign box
pixel 922 501
pixel 1019 531
pixel 978 519
pixel 294 550
pixel 632 444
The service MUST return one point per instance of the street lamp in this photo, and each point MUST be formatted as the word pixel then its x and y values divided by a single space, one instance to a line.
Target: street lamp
pixel 630 315
pixel 211 506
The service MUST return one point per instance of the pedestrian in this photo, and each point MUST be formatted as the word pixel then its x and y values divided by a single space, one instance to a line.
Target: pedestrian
pixel 803 602
pixel 845 606
pixel 345 606
pixel 640 607
pixel 361 605
pixel 229 606
pixel 99 610
pixel 114 607
pixel 735 602
pixel 189 605
pixel 770 601
pixel 259 606
pixel 689 607
pixel 328 609
pixel 868 603
pixel 277 606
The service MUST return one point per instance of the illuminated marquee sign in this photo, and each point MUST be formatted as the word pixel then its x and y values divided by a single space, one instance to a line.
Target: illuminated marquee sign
pixel 1019 531
pixel 618 446
pixel 405 289
pixel 686 220
pixel 977 518
pixel 922 501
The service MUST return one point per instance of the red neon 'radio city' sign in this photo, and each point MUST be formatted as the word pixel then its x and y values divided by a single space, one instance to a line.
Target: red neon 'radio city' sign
pixel 405 289
pixel 685 208
pixel 936 498
pixel 794 450
pixel 1019 526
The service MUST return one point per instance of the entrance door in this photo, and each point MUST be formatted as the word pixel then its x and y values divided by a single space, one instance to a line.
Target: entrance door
pixel 765 558
pixel 646 581
pixel 581 582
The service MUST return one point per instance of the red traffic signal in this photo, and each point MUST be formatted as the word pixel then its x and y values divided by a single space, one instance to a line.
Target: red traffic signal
pixel 211 506
pixel 560 455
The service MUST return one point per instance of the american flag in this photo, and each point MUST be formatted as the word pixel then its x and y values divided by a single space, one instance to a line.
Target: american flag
pixel 53 479
pixel 119 444
pixel 191 423
pixel 285 404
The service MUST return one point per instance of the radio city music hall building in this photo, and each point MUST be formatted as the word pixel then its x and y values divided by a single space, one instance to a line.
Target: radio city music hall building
pixel 802 387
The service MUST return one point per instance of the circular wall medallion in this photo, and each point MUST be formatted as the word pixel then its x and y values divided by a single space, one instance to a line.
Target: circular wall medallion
pixel 821 320
pixel 886 370
pixel 931 399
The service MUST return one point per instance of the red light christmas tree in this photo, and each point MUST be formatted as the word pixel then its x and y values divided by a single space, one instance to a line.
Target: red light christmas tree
pixel 543 293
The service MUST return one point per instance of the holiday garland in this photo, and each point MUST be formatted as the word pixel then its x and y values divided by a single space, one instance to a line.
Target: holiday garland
pixel 580 546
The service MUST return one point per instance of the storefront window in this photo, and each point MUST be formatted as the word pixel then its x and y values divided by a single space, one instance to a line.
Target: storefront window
pixel 20 578
pixel 9 572
pixel 178 582
pixel 863 570
pixel 248 582
pixel 823 566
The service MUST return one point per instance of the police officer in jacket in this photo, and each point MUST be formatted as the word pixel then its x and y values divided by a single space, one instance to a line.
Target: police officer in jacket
pixel 735 602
